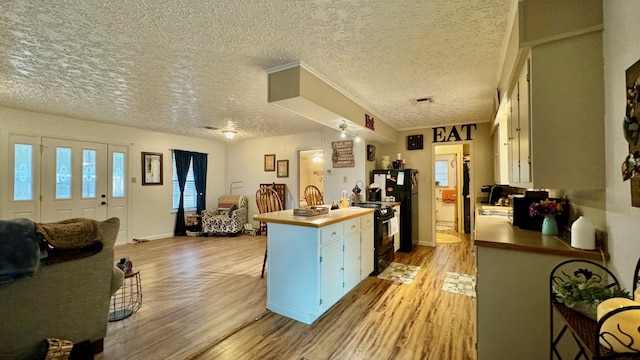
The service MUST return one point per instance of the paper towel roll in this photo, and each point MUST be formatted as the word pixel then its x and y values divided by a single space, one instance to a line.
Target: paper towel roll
pixel 583 234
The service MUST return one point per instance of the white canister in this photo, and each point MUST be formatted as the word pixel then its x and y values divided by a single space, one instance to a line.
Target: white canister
pixel 583 234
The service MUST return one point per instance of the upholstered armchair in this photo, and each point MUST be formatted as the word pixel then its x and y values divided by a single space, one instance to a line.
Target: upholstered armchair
pixel 229 218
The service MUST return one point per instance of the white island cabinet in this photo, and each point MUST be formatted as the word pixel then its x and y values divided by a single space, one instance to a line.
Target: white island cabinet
pixel 314 261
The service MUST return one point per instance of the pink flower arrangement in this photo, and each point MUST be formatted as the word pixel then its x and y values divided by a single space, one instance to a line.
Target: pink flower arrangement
pixel 545 207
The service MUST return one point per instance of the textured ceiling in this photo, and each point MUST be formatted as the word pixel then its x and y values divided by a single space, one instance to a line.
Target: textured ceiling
pixel 177 66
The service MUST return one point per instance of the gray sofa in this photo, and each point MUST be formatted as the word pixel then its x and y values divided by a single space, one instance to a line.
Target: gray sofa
pixel 68 300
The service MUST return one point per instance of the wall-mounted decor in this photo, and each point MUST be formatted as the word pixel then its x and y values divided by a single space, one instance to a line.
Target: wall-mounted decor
pixel 631 128
pixel 270 162
pixel 283 168
pixel 151 168
pixel 369 122
pixel 415 142
pixel 440 133
pixel 371 153
pixel 342 155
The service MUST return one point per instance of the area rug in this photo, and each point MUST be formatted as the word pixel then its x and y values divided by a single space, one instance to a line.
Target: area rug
pixel 460 284
pixel 447 239
pixel 399 273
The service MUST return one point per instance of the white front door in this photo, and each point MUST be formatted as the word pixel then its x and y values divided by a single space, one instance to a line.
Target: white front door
pixel 23 193
pixel 118 191
pixel 74 180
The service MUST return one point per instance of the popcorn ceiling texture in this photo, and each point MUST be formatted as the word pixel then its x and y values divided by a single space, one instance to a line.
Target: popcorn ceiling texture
pixel 176 66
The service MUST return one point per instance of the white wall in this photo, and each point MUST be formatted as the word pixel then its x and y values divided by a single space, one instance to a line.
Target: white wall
pixel 621 50
pixel 245 163
pixel 481 169
pixel 149 206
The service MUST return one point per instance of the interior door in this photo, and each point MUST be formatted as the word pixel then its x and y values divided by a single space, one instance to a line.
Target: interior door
pixel 74 180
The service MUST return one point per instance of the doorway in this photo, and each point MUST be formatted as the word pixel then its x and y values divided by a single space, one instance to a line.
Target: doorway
pixel 451 190
pixel 56 179
pixel 311 165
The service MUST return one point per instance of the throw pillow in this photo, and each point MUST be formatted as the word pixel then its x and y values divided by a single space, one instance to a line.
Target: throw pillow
pixel 75 233
pixel 232 208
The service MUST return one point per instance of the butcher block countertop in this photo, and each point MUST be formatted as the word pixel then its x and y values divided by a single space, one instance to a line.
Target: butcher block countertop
pixel 334 216
pixel 497 232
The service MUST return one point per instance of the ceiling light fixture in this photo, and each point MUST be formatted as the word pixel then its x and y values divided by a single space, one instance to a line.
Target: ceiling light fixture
pixel 343 130
pixel 229 134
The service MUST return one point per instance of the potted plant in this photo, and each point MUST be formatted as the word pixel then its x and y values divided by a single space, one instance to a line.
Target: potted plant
pixel 584 293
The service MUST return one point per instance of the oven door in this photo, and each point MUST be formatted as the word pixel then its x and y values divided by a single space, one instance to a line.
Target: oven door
pixel 384 248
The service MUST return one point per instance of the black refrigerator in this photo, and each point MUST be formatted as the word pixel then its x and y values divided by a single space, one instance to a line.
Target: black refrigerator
pixel 403 185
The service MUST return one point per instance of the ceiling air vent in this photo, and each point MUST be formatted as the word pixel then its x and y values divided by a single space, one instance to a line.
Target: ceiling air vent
pixel 426 99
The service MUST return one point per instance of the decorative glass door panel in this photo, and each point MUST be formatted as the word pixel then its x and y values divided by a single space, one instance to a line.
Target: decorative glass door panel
pixel 74 180
pixel 23 172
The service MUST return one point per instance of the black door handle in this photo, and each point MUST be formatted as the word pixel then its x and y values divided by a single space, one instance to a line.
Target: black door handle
pixel 103 203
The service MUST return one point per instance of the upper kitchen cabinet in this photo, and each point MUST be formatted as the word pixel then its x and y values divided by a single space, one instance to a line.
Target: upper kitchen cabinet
pixel 518 129
pixel 554 81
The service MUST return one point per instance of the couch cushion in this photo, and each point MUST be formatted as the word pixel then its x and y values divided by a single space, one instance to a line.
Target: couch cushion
pixel 232 208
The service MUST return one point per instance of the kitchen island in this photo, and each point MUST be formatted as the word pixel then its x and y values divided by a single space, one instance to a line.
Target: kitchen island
pixel 513 267
pixel 313 261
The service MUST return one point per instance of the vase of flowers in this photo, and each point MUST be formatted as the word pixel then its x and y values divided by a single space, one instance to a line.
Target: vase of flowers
pixel 547 209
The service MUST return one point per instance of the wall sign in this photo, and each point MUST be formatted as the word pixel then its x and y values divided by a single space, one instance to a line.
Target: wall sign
pixel 342 156
pixel 369 122
pixel 440 134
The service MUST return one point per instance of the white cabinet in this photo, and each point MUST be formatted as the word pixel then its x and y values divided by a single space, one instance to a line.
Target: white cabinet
pixel 556 131
pixel 351 261
pixel 310 269
pixel 367 250
pixel 331 274
pixel 518 128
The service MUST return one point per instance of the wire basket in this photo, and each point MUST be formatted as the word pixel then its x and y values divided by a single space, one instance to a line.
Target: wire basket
pixel 59 349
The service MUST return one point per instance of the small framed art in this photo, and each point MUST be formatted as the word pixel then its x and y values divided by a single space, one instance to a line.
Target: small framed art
pixel 151 168
pixel 283 168
pixel 270 162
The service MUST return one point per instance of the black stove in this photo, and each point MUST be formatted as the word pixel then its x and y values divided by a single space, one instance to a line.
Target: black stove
pixel 383 239
pixel 384 211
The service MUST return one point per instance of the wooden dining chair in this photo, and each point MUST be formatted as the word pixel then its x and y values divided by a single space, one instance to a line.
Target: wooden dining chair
pixel 267 200
pixel 313 196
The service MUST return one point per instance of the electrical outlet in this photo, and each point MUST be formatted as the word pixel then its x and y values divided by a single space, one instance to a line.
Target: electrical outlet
pixel 329 171
pixel 344 179
pixel 133 180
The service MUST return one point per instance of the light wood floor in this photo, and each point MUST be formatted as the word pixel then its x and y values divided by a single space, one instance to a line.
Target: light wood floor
pixel 203 299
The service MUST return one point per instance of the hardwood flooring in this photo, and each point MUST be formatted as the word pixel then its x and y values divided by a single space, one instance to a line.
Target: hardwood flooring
pixel 203 299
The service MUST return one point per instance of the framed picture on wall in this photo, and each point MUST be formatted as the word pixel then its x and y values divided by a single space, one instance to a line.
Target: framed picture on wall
pixel 283 168
pixel 270 162
pixel 151 168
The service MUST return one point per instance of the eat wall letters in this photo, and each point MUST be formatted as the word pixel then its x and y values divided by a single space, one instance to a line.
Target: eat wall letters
pixel 440 133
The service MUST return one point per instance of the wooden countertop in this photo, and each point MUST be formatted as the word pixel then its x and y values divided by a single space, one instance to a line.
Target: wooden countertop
pixel 334 216
pixel 497 232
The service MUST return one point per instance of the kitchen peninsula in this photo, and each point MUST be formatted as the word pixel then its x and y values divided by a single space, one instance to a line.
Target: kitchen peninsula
pixel 313 261
pixel 513 267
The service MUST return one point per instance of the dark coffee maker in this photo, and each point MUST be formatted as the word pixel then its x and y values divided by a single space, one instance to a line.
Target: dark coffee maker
pixel 375 194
